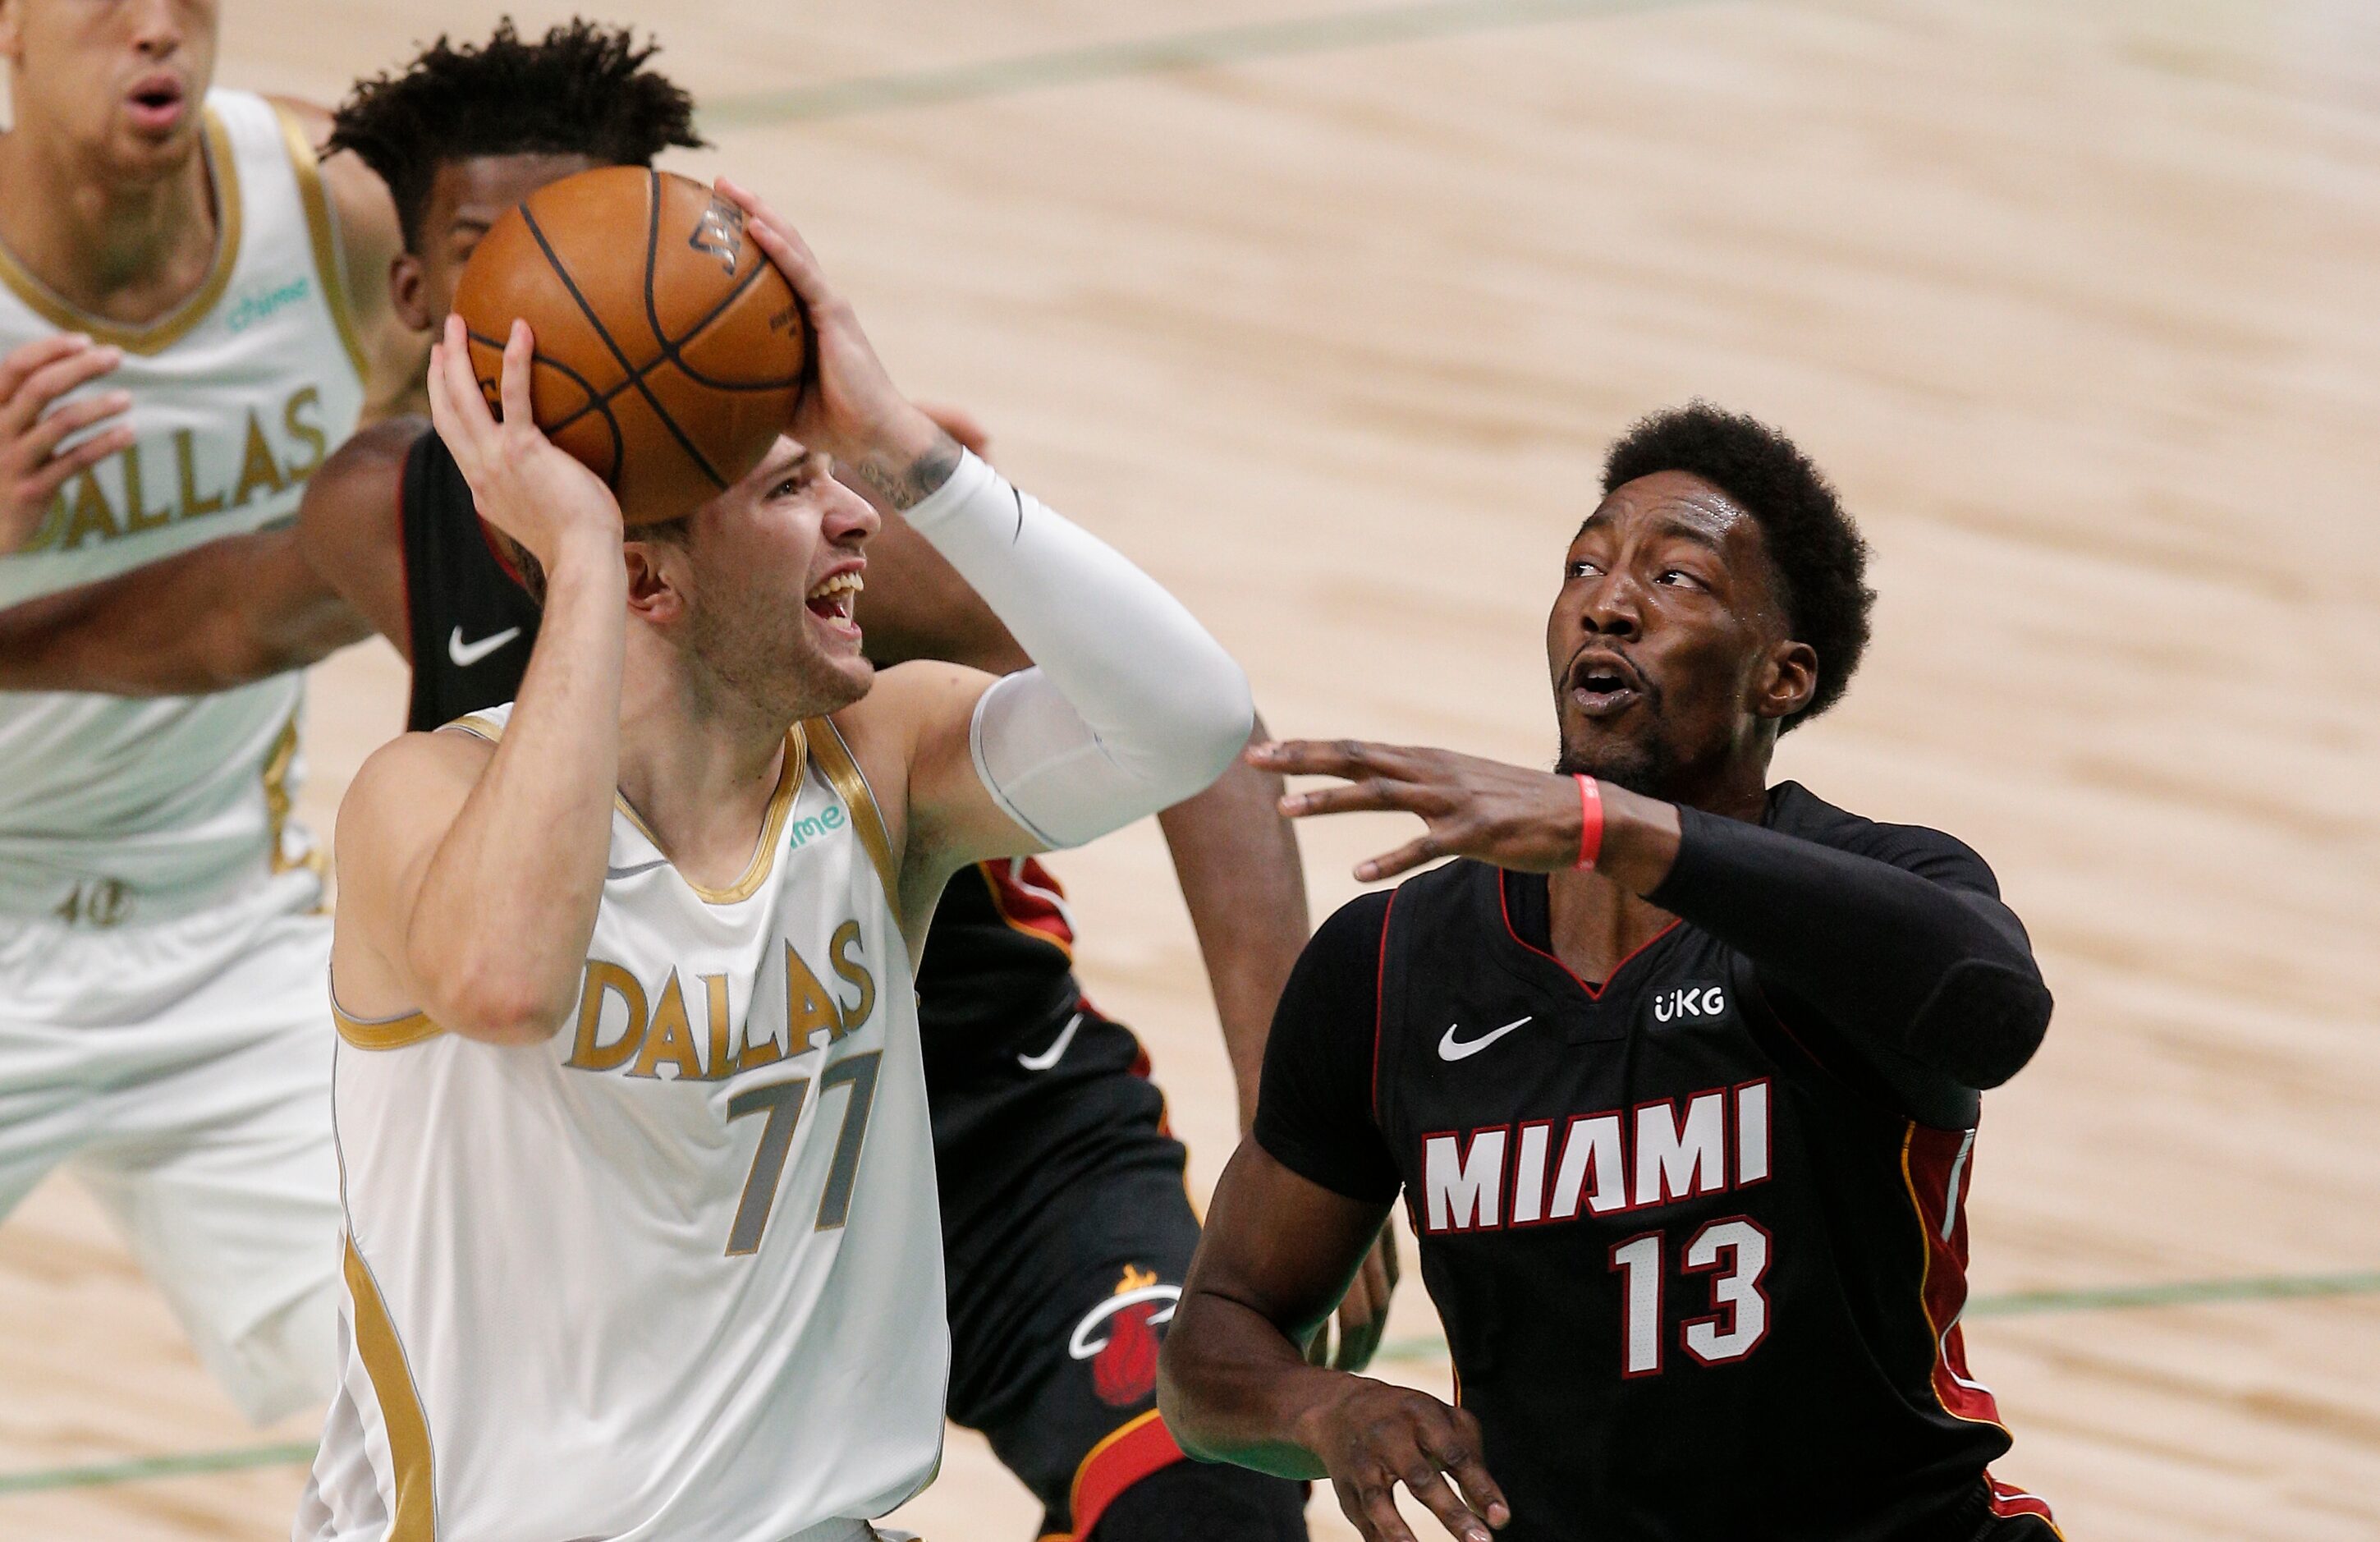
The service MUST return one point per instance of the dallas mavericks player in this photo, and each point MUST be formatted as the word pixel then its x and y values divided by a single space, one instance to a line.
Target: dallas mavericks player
pixel 177 353
pixel 641 1208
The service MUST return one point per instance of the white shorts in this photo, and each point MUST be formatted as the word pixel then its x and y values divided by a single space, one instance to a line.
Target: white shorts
pixel 182 1071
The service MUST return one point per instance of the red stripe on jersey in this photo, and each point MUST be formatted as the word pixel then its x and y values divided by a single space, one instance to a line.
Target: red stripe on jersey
pixel 1127 1455
pixel 1934 1163
pixel 1029 900
pixel 2009 1501
pixel 496 550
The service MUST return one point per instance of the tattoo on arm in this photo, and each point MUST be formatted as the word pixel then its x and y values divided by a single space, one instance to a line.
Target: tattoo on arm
pixel 904 487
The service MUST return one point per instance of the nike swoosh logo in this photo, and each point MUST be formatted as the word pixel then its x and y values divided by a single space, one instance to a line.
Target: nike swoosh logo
pixel 1451 1048
pixel 614 875
pixel 1049 1056
pixel 466 654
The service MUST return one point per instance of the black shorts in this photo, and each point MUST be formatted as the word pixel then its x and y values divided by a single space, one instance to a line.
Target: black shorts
pixel 1067 1231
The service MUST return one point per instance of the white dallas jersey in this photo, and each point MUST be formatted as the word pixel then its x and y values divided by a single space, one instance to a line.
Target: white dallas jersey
pixel 113 809
pixel 676 1271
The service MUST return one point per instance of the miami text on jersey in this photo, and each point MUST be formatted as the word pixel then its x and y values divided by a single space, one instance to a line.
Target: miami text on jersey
pixel 1511 1175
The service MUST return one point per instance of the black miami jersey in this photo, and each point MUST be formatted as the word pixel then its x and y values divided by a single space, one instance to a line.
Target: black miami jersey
pixel 1700 1270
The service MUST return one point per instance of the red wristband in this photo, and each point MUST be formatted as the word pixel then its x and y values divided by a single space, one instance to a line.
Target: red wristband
pixel 1590 821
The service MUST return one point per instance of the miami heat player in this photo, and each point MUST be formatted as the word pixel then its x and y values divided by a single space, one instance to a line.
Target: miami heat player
pixel 1677 1071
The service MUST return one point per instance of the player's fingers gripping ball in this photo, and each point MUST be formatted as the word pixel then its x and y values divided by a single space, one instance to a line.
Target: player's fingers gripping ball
pixel 670 352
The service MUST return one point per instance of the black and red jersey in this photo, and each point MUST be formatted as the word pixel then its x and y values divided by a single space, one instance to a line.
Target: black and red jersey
pixel 1700 1270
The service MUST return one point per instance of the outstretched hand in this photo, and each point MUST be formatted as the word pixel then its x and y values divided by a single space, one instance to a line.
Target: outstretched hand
pixel 1508 815
pixel 523 483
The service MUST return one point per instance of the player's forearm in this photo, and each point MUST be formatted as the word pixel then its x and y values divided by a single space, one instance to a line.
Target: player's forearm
pixel 1236 859
pixel 499 923
pixel 227 613
pixel 1234 1388
pixel 1131 706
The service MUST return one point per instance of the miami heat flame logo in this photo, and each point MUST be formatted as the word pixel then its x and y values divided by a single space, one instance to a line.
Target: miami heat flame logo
pixel 1124 1358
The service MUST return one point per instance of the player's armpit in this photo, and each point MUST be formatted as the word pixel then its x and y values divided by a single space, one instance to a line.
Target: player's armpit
pixel 909 734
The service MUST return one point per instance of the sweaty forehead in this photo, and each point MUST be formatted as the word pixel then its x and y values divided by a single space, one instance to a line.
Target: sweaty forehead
pixel 1673 501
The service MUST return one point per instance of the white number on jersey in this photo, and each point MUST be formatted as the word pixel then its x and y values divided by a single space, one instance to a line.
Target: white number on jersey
pixel 1738 1319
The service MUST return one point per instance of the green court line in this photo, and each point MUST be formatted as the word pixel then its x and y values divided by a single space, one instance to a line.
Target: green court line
pixel 139 1467
pixel 2179 1292
pixel 1187 50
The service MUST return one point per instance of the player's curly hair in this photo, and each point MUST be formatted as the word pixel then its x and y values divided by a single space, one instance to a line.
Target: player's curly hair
pixel 1814 551
pixel 582 89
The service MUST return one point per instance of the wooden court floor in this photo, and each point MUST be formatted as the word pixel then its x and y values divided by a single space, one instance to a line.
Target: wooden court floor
pixel 1325 315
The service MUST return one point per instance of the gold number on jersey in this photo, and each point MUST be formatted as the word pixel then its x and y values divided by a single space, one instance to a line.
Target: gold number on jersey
pixel 783 1102
pixel 103 902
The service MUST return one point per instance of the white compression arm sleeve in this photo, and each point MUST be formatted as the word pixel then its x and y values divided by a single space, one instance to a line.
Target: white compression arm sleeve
pixel 1130 706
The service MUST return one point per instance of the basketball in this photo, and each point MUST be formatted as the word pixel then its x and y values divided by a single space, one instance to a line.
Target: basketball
pixel 670 352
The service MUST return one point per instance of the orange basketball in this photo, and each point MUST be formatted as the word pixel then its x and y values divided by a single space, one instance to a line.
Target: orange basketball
pixel 669 351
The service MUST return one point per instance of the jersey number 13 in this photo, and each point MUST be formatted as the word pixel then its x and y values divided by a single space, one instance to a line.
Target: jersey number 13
pixel 1734 1253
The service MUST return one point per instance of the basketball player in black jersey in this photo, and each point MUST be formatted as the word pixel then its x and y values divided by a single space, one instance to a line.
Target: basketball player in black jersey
pixel 1066 1226
pixel 1677 1073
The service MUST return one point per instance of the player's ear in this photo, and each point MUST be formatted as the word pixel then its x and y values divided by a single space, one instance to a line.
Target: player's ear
pixel 404 289
pixel 657 569
pixel 1786 680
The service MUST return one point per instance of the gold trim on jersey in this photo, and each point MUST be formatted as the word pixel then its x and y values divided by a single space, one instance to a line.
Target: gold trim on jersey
pixel 415 1513
pixel 834 758
pixel 773 823
pixel 383 1033
pixel 158 335
pixel 477 726
pixel 329 265
pixel 772 826
pixel 278 802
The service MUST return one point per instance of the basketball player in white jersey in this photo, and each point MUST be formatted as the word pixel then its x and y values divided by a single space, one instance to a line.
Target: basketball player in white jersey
pixel 178 354
pixel 640 1202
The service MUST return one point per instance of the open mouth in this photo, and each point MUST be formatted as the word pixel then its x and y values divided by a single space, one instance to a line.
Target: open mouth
pixel 833 599
pixel 155 101
pixel 1604 684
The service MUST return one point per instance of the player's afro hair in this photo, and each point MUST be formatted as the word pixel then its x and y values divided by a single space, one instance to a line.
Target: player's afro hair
pixel 1815 550
pixel 581 90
